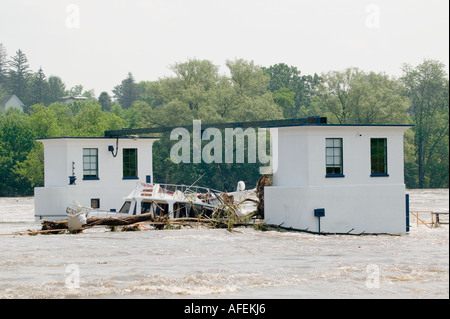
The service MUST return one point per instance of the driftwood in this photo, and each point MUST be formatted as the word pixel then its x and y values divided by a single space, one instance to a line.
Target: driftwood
pixel 105 221
pixel 119 221
pixel 223 216
pixel 53 225
pixel 227 199
pixel 265 180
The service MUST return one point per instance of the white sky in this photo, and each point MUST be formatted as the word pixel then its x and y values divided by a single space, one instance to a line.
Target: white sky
pixel 144 37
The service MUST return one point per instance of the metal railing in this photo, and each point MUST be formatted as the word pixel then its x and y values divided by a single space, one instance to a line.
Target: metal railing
pixel 206 194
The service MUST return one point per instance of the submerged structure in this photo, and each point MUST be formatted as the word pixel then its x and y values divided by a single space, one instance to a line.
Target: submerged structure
pixel 96 172
pixel 326 178
pixel 339 179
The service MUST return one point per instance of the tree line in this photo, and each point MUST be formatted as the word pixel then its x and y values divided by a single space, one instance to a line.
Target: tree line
pixel 247 92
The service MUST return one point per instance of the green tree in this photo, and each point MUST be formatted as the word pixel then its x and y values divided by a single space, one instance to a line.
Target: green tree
pixel 90 120
pixel 247 78
pixel 105 101
pixel 253 100
pixel 336 94
pixel 38 88
pixel 19 75
pixel 355 97
pixel 196 72
pixel 31 169
pixel 193 86
pixel 3 93
pixel 198 91
pixel 427 87
pixel 126 93
pixel 77 90
pixel 284 79
pixel 410 155
pixel 63 114
pixel 44 122
pixel 151 93
pixel 285 98
pixel 21 157
pixel 3 65
pixel 16 142
pixel 378 99
pixel 56 90
pixel 189 94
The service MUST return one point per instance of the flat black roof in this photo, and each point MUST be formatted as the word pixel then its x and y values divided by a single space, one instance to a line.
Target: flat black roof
pixel 310 121
pixel 91 138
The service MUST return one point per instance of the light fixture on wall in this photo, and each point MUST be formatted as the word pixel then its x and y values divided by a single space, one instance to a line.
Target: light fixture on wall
pixel 111 148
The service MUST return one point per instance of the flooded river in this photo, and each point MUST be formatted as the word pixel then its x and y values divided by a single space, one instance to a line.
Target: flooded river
pixel 215 263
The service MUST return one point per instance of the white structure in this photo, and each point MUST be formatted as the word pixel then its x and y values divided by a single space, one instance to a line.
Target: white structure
pixel 95 172
pixel 71 99
pixel 11 101
pixel 351 174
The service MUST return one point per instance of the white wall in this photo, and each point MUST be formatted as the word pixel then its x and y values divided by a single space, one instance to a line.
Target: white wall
pixel 50 202
pixel 56 163
pixel 359 201
pixel 59 153
pixel 301 155
pixel 363 208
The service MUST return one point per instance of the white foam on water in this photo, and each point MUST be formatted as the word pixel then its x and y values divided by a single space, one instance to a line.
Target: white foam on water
pixel 214 263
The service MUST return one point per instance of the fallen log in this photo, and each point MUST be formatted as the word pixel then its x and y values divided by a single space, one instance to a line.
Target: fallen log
pixel 52 225
pixel 119 221
pixel 105 221
pixel 265 180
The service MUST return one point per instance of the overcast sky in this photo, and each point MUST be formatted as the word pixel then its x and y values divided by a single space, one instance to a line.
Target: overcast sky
pixel 95 43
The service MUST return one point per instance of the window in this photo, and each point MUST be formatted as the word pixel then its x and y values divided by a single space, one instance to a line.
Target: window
pixel 90 163
pixel 95 203
pixel 378 157
pixel 333 156
pixel 125 208
pixel 130 163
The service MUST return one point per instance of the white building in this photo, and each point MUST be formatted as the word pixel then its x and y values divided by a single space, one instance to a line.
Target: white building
pixel 11 101
pixel 352 175
pixel 71 99
pixel 96 172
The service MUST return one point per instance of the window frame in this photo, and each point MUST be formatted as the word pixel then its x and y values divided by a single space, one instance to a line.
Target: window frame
pixel 333 156
pixel 126 162
pixel 384 160
pixel 95 203
pixel 90 177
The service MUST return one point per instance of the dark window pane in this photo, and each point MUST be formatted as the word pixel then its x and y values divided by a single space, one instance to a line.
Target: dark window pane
pixel 378 155
pixel 90 162
pixel 129 162
pixel 333 156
